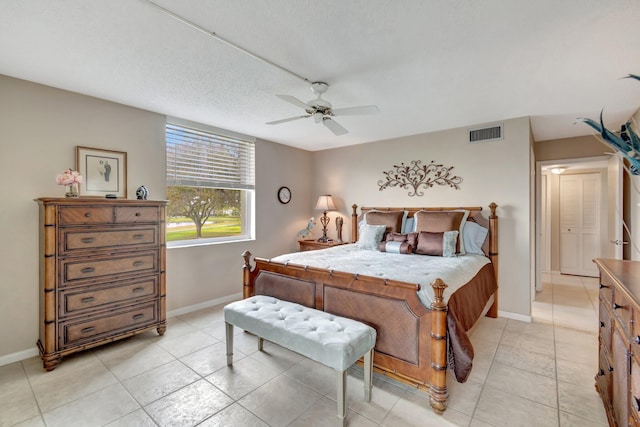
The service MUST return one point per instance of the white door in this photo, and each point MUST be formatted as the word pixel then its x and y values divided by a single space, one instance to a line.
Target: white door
pixel 579 223
pixel 614 207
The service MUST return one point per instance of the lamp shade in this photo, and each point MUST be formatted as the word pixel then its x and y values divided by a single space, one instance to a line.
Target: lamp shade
pixel 325 203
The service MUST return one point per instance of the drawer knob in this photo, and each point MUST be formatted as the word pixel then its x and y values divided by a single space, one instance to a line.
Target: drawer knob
pixel 616 306
pixel 636 403
pixel 87 330
pixel 87 215
pixel 138 263
pixel 138 316
pixel 88 240
pixel 137 236
pixel 140 289
pixel 138 214
pixel 637 339
pixel 603 286
pixel 87 300
pixel 600 373
pixel 88 270
pixel 601 324
pixel 610 368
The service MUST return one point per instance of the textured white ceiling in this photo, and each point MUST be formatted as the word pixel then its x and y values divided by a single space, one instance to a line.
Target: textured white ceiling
pixel 428 64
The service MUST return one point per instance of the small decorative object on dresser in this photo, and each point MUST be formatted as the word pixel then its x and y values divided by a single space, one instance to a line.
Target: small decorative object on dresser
pixel 142 193
pixel 312 245
pixel 71 180
pixel 102 273
pixel 618 375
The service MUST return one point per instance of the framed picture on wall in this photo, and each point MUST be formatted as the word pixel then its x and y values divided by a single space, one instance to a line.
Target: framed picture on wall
pixel 104 171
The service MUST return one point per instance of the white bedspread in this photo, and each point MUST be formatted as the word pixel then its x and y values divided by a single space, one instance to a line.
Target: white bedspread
pixel 421 269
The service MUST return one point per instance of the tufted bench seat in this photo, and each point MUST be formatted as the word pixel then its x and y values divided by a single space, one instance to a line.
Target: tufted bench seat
pixel 334 341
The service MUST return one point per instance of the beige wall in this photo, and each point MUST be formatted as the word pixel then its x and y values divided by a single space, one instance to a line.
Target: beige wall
pixel 570 148
pixel 41 127
pixel 492 172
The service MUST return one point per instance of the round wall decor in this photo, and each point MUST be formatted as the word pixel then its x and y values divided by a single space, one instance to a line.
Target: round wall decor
pixel 284 195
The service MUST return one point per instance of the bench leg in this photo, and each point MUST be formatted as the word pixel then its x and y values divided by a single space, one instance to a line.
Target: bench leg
pixel 228 330
pixel 341 398
pixel 260 343
pixel 368 374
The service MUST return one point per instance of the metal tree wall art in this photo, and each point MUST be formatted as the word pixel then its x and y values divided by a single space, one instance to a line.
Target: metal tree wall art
pixel 418 175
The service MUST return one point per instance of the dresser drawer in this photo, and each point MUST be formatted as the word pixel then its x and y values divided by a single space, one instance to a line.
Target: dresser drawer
pixel 74 270
pixel 623 310
pixel 605 326
pixel 606 288
pixel 137 214
pixel 75 301
pixel 77 332
pixel 77 239
pixel 71 215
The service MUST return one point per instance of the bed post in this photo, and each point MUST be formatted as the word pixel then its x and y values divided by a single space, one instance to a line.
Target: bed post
pixel 354 224
pixel 438 386
pixel 247 283
pixel 493 254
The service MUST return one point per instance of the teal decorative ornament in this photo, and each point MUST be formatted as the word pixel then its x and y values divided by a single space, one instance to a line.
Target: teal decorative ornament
pixel 627 141
pixel 305 231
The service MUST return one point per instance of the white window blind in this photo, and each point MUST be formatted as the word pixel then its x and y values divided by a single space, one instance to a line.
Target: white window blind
pixel 200 158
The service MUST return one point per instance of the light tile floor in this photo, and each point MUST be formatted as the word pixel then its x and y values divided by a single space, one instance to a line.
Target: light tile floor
pixel 525 374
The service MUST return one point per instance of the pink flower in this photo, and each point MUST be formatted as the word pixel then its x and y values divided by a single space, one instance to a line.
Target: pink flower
pixel 69 177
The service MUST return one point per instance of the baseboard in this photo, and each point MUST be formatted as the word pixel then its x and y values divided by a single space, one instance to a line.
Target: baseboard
pixel 25 354
pixel 205 304
pixel 515 316
pixel 18 356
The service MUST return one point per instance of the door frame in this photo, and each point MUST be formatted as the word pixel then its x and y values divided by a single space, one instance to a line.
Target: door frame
pixel 536 282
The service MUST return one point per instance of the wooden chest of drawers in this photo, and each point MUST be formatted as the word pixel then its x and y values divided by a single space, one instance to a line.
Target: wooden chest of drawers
pixel 618 376
pixel 102 273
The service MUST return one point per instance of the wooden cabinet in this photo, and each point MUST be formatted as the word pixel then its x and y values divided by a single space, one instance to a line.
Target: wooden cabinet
pixel 102 273
pixel 312 245
pixel 618 376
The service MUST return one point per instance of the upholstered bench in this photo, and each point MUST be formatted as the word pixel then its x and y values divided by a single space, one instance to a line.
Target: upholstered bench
pixel 334 341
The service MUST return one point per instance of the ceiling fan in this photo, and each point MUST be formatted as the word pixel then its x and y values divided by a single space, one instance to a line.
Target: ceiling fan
pixel 321 110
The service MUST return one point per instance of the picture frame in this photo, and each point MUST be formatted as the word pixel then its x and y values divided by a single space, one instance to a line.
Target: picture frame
pixel 104 172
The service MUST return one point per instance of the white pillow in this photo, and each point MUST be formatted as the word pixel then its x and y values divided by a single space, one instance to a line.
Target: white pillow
pixel 370 236
pixel 474 236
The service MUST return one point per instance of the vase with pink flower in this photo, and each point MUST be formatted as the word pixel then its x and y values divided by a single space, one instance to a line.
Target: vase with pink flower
pixel 71 180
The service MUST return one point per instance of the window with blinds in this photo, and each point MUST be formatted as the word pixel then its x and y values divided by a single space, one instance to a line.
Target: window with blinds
pixel 210 183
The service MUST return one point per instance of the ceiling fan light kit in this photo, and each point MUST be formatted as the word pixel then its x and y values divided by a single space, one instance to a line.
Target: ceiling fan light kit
pixel 321 110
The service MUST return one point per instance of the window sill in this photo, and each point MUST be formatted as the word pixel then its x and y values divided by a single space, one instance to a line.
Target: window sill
pixel 207 242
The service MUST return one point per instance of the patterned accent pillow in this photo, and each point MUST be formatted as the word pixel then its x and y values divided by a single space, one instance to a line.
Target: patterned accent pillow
pixel 369 236
pixel 411 238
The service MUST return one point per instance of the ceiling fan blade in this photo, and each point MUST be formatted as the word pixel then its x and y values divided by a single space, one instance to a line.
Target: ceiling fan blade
pixel 277 122
pixel 295 101
pixel 352 111
pixel 334 127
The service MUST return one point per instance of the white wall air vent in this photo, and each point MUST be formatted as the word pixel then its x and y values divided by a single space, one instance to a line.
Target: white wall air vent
pixel 491 133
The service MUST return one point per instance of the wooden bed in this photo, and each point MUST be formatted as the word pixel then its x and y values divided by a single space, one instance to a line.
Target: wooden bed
pixel 412 345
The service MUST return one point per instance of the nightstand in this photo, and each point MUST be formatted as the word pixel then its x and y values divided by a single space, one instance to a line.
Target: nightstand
pixel 312 245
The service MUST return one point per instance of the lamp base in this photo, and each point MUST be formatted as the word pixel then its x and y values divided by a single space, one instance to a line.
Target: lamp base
pixel 323 239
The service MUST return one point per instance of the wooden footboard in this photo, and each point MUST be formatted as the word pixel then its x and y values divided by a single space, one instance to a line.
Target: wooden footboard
pixel 412 340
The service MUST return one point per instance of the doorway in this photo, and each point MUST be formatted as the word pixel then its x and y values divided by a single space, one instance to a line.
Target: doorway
pixel 547 253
